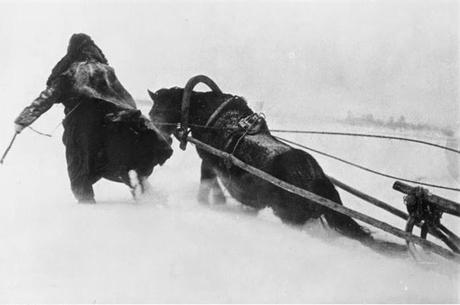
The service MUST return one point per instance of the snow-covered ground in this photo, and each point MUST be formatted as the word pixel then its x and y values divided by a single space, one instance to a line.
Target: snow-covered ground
pixel 305 64
pixel 169 248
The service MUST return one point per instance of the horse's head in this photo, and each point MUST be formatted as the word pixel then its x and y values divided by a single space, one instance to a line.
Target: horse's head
pixel 171 106
pixel 166 110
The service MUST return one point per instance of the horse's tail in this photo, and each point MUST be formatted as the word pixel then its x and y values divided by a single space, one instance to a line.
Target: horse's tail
pixel 340 222
pixel 349 227
pixel 301 169
pixel 346 225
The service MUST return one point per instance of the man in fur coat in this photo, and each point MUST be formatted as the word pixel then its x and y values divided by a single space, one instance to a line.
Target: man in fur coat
pixel 104 134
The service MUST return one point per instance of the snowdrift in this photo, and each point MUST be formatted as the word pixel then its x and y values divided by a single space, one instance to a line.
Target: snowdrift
pixel 169 248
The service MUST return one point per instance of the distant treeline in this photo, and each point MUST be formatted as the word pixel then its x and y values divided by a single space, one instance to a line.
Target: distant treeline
pixel 392 123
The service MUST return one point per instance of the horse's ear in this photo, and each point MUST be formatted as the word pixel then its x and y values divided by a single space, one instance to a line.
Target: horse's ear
pixel 152 95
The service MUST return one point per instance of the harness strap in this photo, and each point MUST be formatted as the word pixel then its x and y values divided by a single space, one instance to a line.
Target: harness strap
pixel 251 125
pixel 219 109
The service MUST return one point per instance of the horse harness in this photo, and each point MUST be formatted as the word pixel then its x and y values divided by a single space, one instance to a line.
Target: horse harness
pixel 248 125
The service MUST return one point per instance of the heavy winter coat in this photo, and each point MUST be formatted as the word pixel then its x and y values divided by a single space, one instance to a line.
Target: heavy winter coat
pixel 104 134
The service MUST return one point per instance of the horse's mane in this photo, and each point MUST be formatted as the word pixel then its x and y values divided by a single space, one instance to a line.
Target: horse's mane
pixel 81 47
pixel 238 102
pixel 210 98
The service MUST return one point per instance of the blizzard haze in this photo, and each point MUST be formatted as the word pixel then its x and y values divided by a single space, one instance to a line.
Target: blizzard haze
pixel 388 58
pixel 306 64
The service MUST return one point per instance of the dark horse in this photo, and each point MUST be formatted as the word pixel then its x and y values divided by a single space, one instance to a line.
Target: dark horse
pixel 218 119
pixel 222 115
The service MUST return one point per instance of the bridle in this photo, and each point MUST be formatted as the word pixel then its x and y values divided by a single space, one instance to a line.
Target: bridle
pixel 250 124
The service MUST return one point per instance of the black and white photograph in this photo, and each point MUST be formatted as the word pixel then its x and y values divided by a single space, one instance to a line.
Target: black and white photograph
pixel 230 151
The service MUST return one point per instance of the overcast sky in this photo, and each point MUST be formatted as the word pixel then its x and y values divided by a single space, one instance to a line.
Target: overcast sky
pixel 318 57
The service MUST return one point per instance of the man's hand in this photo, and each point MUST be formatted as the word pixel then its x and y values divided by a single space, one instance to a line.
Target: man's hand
pixel 18 128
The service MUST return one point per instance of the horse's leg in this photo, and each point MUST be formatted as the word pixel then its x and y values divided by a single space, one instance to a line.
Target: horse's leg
pixel 209 183
pixel 207 175
pixel 217 193
pixel 135 182
pixel 139 184
pixel 145 184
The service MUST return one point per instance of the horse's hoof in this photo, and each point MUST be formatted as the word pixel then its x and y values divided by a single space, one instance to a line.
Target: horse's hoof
pixel 202 198
pixel 136 185
pixel 219 198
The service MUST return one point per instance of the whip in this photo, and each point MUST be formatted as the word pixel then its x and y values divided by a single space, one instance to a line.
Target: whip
pixel 8 148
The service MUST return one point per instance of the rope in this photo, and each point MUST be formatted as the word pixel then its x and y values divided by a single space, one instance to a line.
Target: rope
pixel 363 135
pixel 366 135
pixel 348 162
pixel 368 169
pixel 41 133
pixel 57 126
pixel 194 125
pixel 216 112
